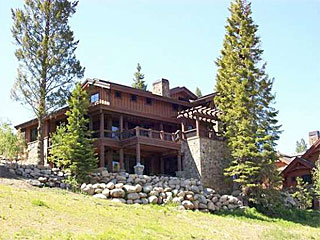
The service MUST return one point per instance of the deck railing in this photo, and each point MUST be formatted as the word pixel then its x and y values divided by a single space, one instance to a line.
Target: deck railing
pixel 139 132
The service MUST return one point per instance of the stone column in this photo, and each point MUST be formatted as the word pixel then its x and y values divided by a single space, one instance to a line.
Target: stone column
pixel 102 125
pixel 198 127
pixel 102 160
pixel 179 161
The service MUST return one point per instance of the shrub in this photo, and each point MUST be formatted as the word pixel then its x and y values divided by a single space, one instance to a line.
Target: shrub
pixel 12 145
pixel 303 193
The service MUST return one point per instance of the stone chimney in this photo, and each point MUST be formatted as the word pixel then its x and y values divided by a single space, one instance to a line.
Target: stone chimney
pixel 313 137
pixel 161 87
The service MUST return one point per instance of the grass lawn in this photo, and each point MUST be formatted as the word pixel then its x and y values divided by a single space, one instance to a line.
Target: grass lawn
pixel 30 213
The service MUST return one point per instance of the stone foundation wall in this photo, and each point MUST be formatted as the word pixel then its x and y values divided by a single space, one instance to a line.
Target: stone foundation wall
pixel 205 159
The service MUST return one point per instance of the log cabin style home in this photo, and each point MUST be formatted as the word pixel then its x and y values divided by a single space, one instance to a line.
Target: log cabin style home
pixel 166 131
pixel 302 165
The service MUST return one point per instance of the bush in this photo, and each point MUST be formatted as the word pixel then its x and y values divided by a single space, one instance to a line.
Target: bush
pixel 12 145
pixel 303 193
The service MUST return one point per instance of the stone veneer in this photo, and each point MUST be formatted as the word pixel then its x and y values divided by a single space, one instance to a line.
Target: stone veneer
pixel 161 87
pixel 206 159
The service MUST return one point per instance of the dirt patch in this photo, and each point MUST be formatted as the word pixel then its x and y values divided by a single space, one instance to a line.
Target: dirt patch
pixel 9 178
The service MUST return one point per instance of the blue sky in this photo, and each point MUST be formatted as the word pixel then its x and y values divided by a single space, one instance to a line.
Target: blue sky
pixel 180 40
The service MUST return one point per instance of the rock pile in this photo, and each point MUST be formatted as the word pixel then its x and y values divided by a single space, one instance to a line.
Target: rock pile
pixel 142 189
pixel 38 176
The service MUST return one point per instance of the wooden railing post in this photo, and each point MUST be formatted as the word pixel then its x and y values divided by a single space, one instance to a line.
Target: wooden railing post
pixel 161 134
pixel 150 133
pixel 137 131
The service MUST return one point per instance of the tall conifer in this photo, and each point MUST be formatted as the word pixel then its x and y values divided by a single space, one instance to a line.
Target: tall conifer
pixel 46 53
pixel 72 145
pixel 245 99
pixel 138 81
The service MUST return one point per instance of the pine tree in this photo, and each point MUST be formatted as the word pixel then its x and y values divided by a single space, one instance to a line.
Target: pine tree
pixel 46 55
pixel 198 92
pixel 301 146
pixel 316 178
pixel 138 81
pixel 245 98
pixel 72 145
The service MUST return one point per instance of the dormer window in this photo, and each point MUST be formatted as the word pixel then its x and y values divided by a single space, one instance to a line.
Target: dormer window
pixel 94 98
pixel 134 98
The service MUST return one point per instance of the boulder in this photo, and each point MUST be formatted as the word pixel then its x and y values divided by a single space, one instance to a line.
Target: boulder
pixel 153 199
pixel 187 205
pixel 117 193
pixel 110 185
pixel 133 196
pixel 99 195
pixel 119 200
pixel 106 192
pixel 147 188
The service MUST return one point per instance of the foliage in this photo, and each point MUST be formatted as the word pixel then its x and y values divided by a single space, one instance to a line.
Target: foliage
pixel 12 145
pixel 198 92
pixel 138 81
pixel 46 55
pixel 316 178
pixel 301 146
pixel 245 99
pixel 303 193
pixel 72 145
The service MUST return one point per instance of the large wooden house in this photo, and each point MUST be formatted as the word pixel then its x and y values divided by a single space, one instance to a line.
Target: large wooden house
pixel 301 166
pixel 156 132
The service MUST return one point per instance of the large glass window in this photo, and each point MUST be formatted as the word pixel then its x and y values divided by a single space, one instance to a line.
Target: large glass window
pixel 33 134
pixel 94 98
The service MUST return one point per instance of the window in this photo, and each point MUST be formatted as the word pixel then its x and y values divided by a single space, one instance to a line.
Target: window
pixel 134 97
pixel 148 101
pixel 94 98
pixel 33 134
pixel 118 94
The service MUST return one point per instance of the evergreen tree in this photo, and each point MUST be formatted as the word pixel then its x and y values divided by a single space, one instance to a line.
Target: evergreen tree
pixel 303 193
pixel 316 178
pixel 46 55
pixel 138 81
pixel 301 146
pixel 245 98
pixel 72 145
pixel 198 92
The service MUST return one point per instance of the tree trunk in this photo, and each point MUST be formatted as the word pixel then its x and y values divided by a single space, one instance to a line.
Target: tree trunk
pixel 40 150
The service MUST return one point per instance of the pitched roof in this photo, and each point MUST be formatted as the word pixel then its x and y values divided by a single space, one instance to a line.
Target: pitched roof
pixel 314 148
pixel 307 164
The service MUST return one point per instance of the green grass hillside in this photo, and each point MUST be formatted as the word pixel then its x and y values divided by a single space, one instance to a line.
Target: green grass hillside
pixel 29 213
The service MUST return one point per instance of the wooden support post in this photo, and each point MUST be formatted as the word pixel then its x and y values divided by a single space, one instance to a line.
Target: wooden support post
pixel 138 154
pixel 102 125
pixel 179 161
pixel 197 127
pixel 137 131
pixel 102 161
pixel 121 157
pixel 110 167
pixel 161 165
pixel 121 125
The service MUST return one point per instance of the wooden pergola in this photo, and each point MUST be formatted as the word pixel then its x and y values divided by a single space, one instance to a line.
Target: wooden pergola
pixel 199 114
